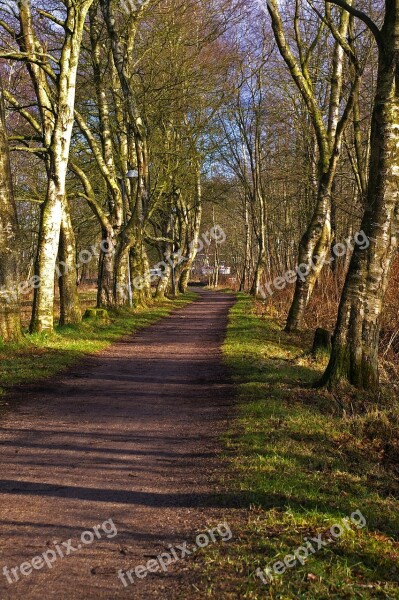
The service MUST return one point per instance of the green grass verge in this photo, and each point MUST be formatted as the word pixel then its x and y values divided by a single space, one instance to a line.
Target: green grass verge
pixel 300 467
pixel 41 355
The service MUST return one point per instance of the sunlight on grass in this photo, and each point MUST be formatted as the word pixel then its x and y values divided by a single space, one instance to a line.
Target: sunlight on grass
pixel 299 468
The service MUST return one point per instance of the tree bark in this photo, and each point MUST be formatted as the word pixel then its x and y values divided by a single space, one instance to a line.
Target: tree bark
pixel 10 322
pixel 314 243
pixel 193 244
pixel 106 270
pixel 354 356
pixel 246 265
pixel 262 241
pixel 70 312
pixel 164 283
pixel 52 210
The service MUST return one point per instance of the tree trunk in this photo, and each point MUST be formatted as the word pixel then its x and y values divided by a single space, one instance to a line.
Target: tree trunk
pixel 262 243
pixel 193 246
pixel 106 271
pixel 122 283
pixel 50 227
pixel 246 266
pixel 51 216
pixel 10 322
pixel 140 274
pixel 354 356
pixel 70 312
pixel 313 250
pixel 163 283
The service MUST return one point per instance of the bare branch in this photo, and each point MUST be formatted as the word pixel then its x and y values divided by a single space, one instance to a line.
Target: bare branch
pixel 27 115
pixel 363 17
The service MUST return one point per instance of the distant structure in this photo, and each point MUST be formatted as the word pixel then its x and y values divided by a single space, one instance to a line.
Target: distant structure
pixel 203 269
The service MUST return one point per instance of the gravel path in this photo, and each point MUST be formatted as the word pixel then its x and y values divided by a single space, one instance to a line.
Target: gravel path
pixel 130 436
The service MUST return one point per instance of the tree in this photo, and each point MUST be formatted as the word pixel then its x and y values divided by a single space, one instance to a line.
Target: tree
pixel 10 322
pixel 52 209
pixel 55 92
pixel 316 241
pixel 50 87
pixel 354 357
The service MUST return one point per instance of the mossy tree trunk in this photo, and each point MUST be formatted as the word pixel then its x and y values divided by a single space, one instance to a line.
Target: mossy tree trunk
pixel 164 283
pixel 10 323
pixel 140 275
pixel 106 270
pixel 52 209
pixel 313 251
pixel 70 311
pixel 121 279
pixel 354 356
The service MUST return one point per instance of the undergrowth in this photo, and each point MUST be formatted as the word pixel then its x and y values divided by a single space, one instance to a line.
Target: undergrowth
pixel 301 465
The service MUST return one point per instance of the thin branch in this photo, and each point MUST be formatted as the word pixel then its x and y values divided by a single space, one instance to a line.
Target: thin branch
pixel 25 57
pixel 27 115
pixel 8 28
pixel 363 17
pixel 25 138
pixel 48 15
pixel 90 196
pixel 31 150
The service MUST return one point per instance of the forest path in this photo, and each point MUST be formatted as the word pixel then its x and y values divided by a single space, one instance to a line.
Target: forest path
pixel 130 435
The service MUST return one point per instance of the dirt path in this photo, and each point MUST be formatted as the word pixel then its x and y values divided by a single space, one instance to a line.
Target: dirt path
pixel 129 436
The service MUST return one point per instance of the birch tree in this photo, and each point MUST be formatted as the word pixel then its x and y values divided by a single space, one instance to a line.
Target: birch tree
pixel 329 129
pixel 52 210
pixel 44 73
pixel 354 356
pixel 54 82
pixel 10 323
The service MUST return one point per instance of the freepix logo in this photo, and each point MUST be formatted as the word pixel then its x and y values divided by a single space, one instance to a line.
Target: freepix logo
pixel 162 562
pixel 131 6
pixel 310 546
pixel 60 550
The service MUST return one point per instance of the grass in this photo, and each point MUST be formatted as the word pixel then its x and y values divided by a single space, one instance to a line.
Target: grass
pixel 40 356
pixel 299 467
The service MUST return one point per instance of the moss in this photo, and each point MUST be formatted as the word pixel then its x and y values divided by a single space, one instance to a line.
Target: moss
pixel 97 314
pixel 342 371
pixel 299 467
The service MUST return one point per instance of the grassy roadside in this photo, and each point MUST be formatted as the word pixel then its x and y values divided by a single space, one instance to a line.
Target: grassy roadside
pixel 300 466
pixel 41 355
